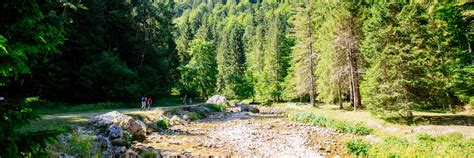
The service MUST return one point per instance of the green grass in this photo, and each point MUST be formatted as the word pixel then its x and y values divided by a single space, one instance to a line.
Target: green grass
pixel 54 108
pixel 53 124
pixel 422 145
pixel 341 126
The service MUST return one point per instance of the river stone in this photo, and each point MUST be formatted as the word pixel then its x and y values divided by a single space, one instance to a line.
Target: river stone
pixel 114 132
pixel 186 117
pixel 175 120
pixel 116 151
pixel 127 123
pixel 104 142
pixel 217 99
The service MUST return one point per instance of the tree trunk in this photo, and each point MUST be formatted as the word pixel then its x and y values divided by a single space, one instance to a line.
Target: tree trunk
pixel 340 97
pixel 351 94
pixel 353 68
pixel 310 53
pixel 449 103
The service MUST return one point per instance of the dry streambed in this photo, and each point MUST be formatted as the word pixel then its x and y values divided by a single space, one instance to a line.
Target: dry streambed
pixel 245 134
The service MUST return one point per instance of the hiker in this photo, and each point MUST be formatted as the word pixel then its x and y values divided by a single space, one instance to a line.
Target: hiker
pixel 149 102
pixel 143 102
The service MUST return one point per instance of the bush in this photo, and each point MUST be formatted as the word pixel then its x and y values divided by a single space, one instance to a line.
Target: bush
pixel 215 107
pixel 163 123
pixel 358 146
pixel 341 126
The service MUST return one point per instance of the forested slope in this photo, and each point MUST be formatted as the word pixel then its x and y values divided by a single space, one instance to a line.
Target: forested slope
pixel 390 56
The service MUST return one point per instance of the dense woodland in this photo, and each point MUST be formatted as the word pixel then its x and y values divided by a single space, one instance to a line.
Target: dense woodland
pixel 384 57
pixel 380 56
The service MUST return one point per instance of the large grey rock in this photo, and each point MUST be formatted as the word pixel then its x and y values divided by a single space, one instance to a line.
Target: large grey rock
pixel 249 108
pixel 127 123
pixel 217 99
pixel 114 132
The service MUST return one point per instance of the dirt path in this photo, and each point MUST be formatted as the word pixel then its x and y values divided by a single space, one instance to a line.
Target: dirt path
pixel 245 134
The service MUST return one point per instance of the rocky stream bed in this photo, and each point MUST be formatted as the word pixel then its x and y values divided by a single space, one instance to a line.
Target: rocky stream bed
pixel 232 133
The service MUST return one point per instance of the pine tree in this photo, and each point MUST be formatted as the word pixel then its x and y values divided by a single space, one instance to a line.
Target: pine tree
pixel 230 61
pixel 301 79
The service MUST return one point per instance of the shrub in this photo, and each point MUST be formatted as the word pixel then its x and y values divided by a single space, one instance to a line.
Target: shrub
pixel 341 126
pixel 358 146
pixel 163 123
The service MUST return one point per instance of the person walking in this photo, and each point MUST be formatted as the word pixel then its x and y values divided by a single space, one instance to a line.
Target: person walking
pixel 149 102
pixel 143 102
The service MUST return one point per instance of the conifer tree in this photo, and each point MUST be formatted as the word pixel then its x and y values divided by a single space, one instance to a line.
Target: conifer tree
pixel 301 78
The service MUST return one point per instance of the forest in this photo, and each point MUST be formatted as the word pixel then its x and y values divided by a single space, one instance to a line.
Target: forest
pixel 362 56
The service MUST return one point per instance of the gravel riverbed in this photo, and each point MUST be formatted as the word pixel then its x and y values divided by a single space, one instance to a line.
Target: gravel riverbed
pixel 248 135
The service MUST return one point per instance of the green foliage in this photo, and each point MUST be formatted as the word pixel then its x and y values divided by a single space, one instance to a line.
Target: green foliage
pixel 163 123
pixel 215 107
pixel 358 146
pixel 198 76
pixel 28 36
pixel 15 142
pixel 108 77
pixel 298 81
pixel 415 57
pixel 115 50
pixel 341 126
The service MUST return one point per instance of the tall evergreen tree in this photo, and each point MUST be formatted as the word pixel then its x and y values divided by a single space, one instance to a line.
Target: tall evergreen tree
pixel 301 78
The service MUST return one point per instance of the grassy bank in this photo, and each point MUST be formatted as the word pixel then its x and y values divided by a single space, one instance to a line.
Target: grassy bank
pixel 341 126
pixel 422 145
pixel 393 137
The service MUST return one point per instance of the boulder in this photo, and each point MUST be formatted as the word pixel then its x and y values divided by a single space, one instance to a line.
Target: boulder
pixel 127 123
pixel 217 99
pixel 248 108
pixel 114 132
